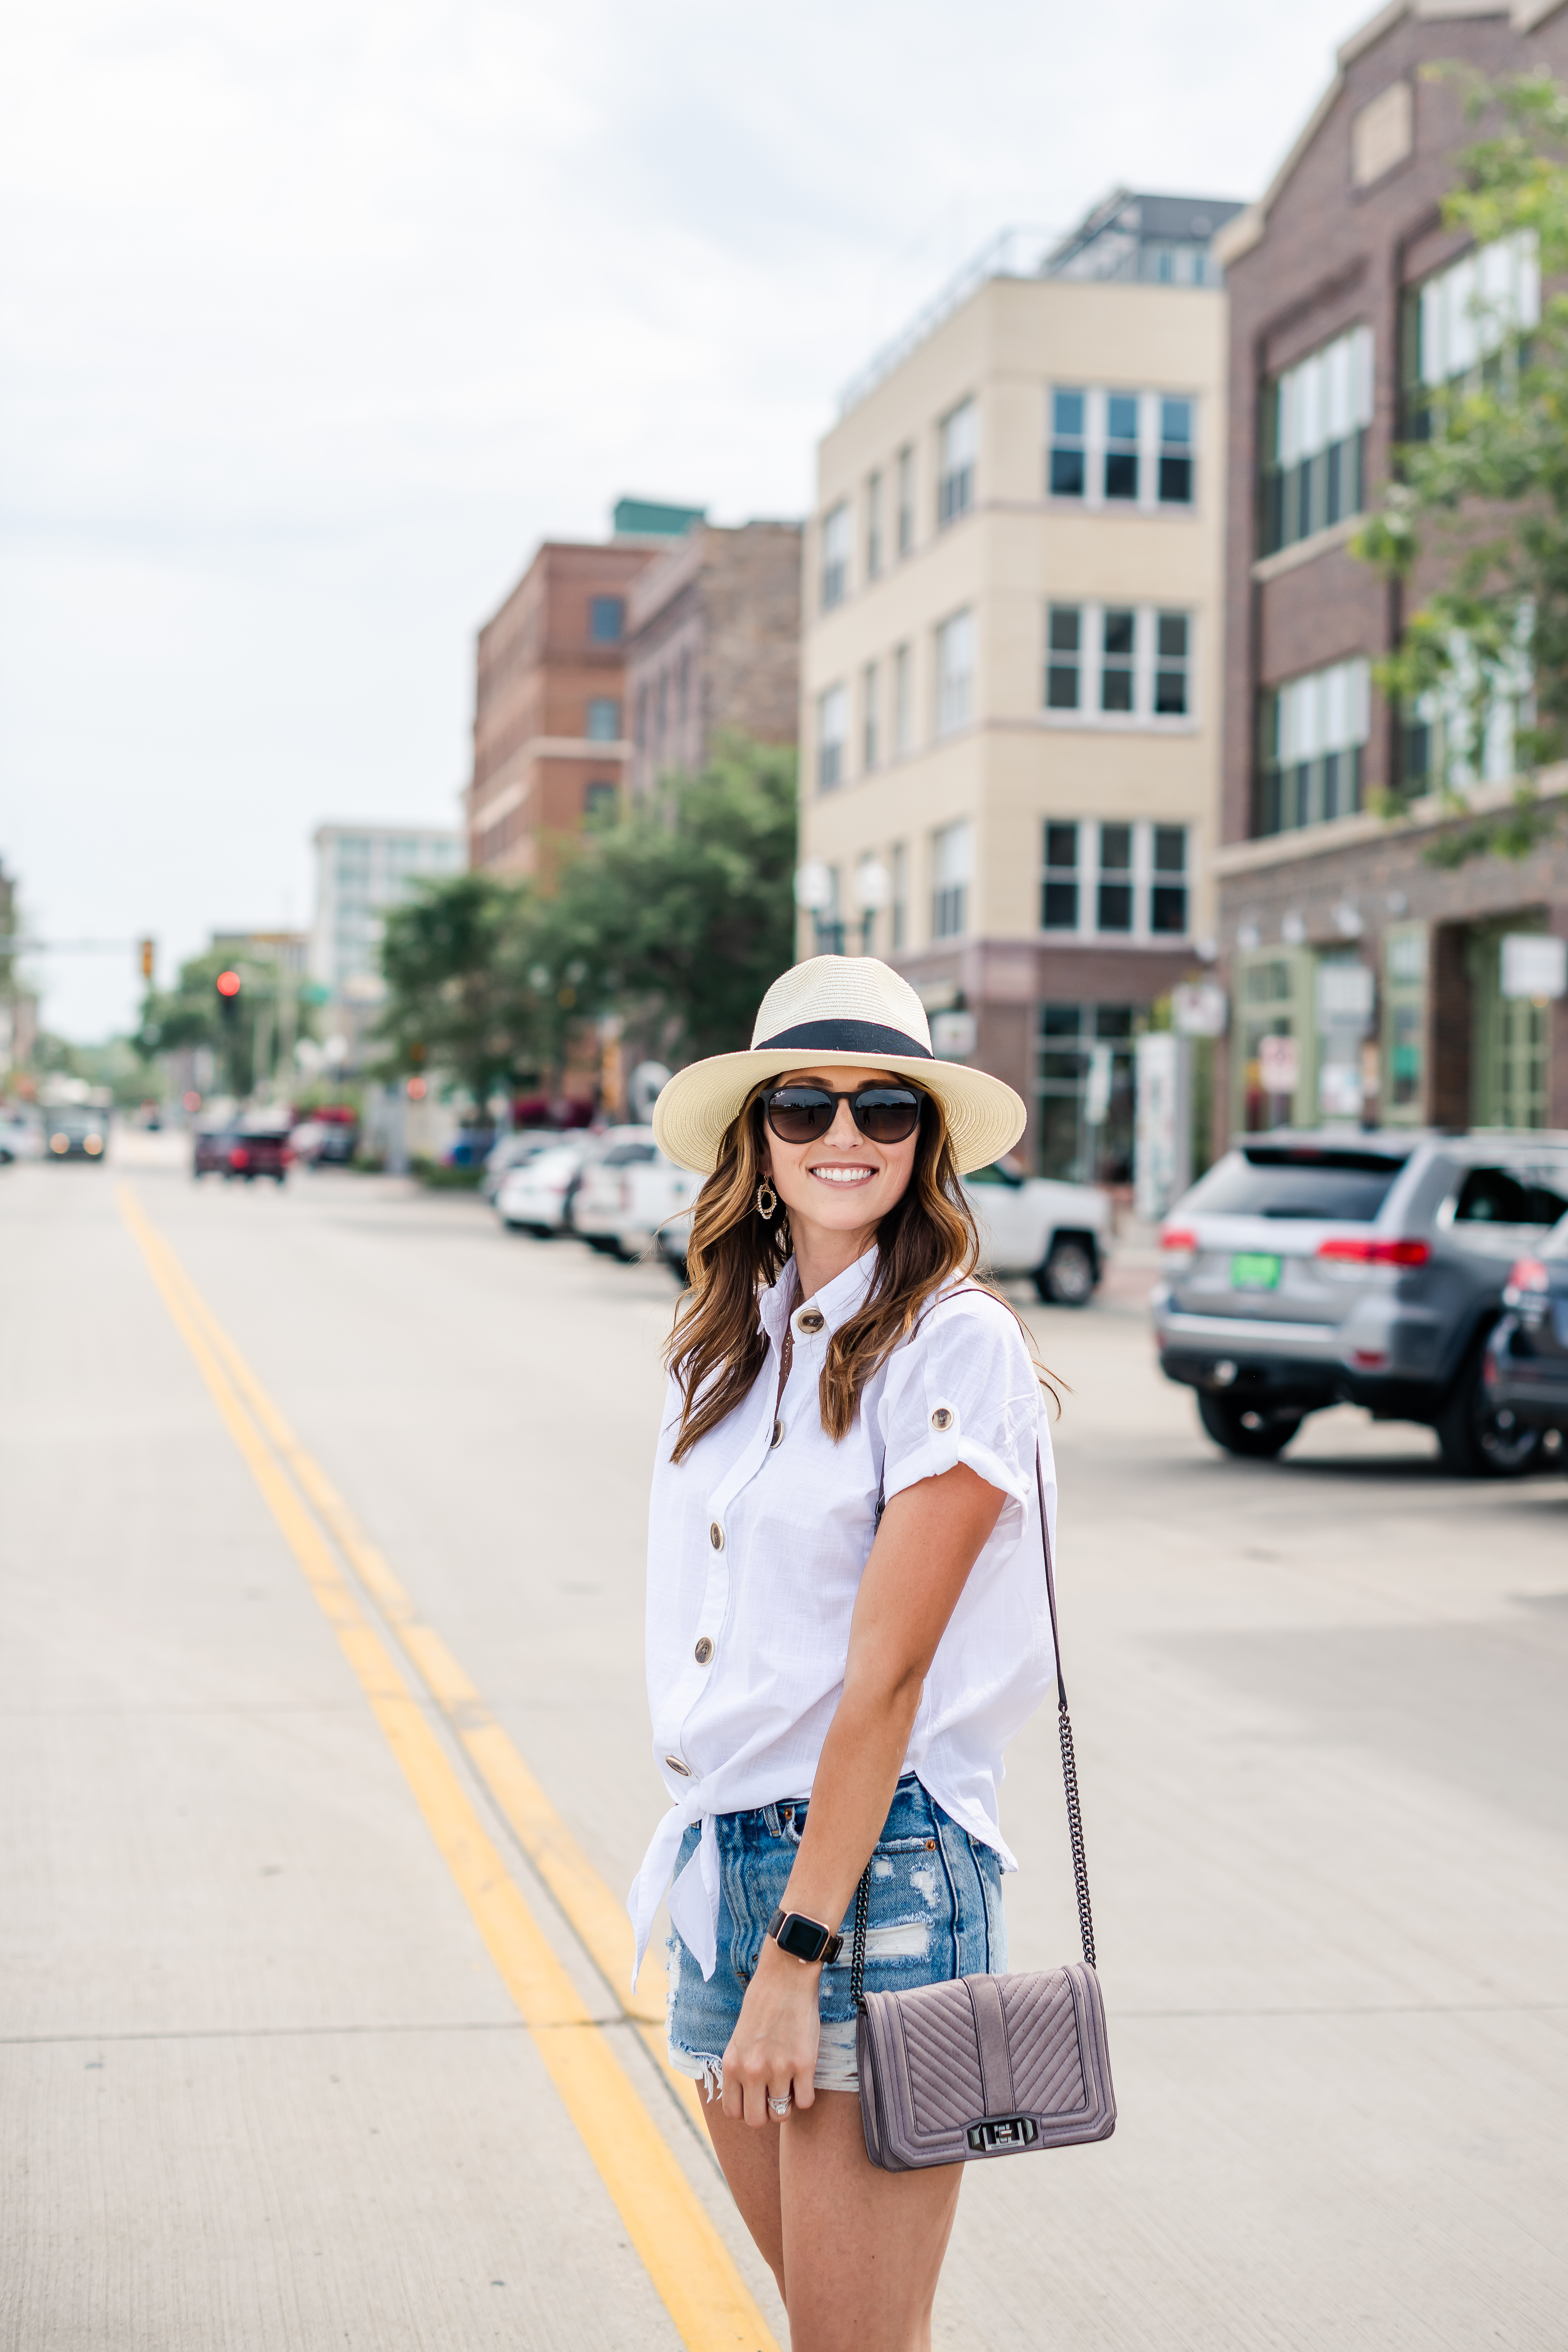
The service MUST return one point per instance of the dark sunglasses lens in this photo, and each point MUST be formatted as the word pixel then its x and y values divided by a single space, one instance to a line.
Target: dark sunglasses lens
pixel 887 1113
pixel 800 1114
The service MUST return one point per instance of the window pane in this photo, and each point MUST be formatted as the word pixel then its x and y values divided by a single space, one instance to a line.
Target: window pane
pixel 1170 849
pixel 1116 907
pixel 1121 475
pixel 1175 481
pixel 1115 690
pixel 1168 907
pixel 1172 640
pixel 1065 627
pixel 1061 906
pixel 1119 628
pixel 1061 688
pixel 1176 420
pixel 1066 473
pixel 1066 414
pixel 1060 1020
pixel 1113 1020
pixel 604 721
pixel 606 618
pixel 1121 417
pixel 1061 846
pixel 1170 693
pixel 1116 848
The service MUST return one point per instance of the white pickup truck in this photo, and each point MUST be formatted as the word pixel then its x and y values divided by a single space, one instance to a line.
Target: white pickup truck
pixel 1055 1234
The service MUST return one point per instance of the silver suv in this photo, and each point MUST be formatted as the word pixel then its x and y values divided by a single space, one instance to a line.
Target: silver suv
pixel 1306 1270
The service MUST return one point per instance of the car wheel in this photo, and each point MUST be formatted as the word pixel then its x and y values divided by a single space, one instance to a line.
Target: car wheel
pixel 1242 1429
pixel 1066 1278
pixel 1479 1439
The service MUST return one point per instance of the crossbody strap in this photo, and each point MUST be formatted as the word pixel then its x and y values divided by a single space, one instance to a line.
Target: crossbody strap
pixel 1064 1732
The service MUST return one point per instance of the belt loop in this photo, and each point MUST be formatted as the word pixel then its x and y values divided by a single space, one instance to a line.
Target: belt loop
pixel 771 1816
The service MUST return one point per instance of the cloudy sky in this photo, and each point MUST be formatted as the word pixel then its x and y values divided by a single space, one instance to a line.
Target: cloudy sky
pixel 316 316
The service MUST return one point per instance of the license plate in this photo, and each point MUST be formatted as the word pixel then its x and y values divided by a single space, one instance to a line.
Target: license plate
pixel 1255 1270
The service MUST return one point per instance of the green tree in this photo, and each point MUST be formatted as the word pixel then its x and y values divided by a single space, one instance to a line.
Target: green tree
pixel 454 959
pixel 1481 504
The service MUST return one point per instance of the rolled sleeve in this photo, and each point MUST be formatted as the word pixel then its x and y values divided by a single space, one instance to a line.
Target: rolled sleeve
pixel 963 1390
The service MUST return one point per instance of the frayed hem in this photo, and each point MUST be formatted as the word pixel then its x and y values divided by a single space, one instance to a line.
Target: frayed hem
pixel 707 2073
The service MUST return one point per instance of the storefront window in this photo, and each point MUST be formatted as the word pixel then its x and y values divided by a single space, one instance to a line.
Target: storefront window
pixel 1086 1089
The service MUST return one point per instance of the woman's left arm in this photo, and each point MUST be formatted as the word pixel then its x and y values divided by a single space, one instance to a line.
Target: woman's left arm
pixel 930 1536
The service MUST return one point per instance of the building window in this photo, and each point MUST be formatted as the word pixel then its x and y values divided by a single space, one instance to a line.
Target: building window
pixel 1315 420
pixel 958 438
pixel 1463 733
pixel 607 619
pixel 1067 475
pixel 954 673
pixel 1139 661
pixel 869 746
pixel 599 802
pixel 1171 642
pixel 1058 896
pixel 1312 736
pixel 603 724
pixel 1176 453
pixel 904 699
pixel 873 526
pixel 834 556
pixel 1063 643
pixel 1120 449
pixel 906 501
pixel 951 853
pixel 1122 446
pixel 1086 1091
pixel 1457 324
pixel 832 728
pixel 1115 880
pixel 898 905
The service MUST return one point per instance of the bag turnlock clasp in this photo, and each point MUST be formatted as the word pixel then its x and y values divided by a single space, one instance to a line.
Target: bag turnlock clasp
pixel 1001 2132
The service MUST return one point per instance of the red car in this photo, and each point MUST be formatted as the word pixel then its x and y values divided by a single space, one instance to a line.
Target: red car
pixel 232 1152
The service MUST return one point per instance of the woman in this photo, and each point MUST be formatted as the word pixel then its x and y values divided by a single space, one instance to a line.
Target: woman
pixel 846 1610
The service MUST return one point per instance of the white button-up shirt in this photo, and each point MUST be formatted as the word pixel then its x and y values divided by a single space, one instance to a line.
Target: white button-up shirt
pixel 755 1553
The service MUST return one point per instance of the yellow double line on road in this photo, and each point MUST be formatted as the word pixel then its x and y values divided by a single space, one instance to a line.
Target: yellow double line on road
pixel 684 2255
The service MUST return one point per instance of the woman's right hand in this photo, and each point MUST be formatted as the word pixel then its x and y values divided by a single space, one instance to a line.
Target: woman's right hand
pixel 773 2051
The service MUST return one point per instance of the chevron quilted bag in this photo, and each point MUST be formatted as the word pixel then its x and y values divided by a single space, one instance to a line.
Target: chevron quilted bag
pixel 992 2065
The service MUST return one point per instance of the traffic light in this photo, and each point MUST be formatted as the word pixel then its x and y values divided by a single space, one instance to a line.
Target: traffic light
pixel 147 956
pixel 227 985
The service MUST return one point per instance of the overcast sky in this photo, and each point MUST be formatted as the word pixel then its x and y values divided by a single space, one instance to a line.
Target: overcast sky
pixel 316 316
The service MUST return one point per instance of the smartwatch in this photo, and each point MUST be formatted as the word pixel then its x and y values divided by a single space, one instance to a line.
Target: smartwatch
pixel 803 1939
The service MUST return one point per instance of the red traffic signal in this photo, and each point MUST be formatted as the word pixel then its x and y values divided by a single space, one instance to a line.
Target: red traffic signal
pixel 227 983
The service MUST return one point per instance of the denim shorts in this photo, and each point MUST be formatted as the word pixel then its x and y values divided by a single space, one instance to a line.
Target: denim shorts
pixel 936 1913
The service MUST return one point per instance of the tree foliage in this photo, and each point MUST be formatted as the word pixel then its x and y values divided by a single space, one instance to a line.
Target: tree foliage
pixel 1486 495
pixel 675 915
pixel 192 1013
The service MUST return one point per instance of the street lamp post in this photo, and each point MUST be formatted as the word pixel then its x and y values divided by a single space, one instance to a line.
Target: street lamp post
pixel 815 891
pixel 873 891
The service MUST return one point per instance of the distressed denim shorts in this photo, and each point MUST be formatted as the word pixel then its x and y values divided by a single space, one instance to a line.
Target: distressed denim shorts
pixel 936 1913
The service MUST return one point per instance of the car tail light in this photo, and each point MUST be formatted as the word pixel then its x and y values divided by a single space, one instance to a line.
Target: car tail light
pixel 238 1158
pixel 1526 1274
pixel 1353 1250
pixel 1179 1237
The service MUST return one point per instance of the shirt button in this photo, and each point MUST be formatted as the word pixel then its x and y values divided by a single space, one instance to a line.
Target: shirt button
pixel 809 1319
pixel 716 1536
pixel 703 1651
pixel 676 1765
pixel 942 1418
pixel 778 1434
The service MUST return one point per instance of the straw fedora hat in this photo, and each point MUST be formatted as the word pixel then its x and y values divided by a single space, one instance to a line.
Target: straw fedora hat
pixel 835 1013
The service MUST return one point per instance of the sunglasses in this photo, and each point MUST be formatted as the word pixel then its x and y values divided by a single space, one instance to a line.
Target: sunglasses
pixel 805 1114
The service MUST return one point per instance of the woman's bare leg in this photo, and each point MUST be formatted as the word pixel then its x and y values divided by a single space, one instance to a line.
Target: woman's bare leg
pixel 749 2158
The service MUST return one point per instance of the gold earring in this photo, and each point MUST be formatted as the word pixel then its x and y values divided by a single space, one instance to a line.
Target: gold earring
pixel 765 1211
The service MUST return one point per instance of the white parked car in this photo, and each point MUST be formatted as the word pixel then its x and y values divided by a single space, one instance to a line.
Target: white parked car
pixel 514 1150
pixel 21 1137
pixel 628 1189
pixel 1056 1235
pixel 537 1197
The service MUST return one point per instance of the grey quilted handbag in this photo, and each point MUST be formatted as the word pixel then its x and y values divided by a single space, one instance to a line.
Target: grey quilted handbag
pixel 986 2066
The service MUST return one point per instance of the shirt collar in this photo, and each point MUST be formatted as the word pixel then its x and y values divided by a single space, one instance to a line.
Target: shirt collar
pixel 837 1301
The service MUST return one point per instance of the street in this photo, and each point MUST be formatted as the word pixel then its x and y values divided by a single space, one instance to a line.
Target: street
pixel 289 2060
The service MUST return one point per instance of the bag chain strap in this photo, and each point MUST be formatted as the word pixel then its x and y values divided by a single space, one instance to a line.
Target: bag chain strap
pixel 1069 1773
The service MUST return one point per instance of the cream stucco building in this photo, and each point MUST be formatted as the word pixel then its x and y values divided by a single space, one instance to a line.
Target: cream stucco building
pixel 1011 661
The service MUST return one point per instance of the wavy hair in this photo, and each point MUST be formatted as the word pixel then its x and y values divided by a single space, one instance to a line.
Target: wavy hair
pixel 718 1348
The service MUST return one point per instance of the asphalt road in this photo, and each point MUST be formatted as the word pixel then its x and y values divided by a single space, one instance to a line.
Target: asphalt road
pixel 265 1956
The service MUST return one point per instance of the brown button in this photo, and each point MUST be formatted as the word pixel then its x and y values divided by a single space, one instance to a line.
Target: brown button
pixel 942 1418
pixel 716 1536
pixel 676 1765
pixel 809 1319
pixel 778 1434
pixel 703 1651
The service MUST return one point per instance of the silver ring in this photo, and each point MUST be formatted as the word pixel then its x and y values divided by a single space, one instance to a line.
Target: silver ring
pixel 780 2106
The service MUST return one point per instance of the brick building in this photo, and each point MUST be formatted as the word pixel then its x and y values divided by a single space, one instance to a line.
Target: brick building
pixel 1350 301
pixel 550 737
pixel 713 645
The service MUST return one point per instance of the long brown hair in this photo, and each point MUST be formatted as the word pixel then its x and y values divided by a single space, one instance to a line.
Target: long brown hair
pixel 718 1348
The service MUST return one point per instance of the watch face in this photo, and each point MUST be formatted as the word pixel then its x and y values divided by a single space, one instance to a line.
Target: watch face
pixel 802 1939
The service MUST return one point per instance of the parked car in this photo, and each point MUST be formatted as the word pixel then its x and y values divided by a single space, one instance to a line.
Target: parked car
pixel 21 1138
pixel 1312 1269
pixel 1524 1372
pixel 537 1197
pixel 76 1134
pixel 241 1151
pixel 514 1151
pixel 628 1190
pixel 1056 1234
pixel 327 1137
